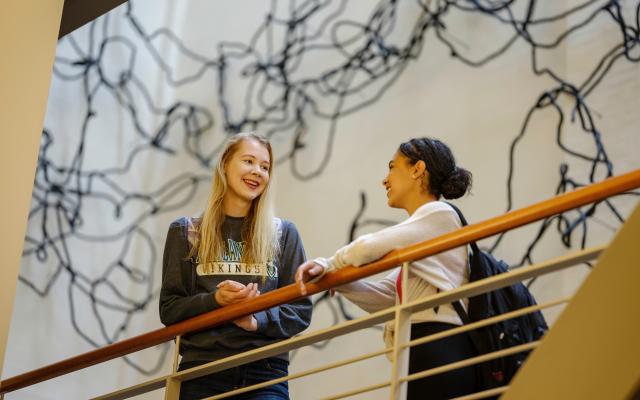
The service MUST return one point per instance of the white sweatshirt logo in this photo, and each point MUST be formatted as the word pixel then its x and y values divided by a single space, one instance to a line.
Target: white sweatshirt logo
pixel 231 265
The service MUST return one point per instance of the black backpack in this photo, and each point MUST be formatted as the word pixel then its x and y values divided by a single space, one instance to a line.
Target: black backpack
pixel 504 334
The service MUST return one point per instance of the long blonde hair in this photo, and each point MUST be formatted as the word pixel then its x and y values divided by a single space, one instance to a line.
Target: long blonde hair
pixel 259 232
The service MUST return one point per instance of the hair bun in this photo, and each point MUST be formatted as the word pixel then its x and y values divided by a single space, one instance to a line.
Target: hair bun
pixel 457 184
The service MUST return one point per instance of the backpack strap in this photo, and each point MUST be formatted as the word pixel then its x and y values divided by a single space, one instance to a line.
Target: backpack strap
pixel 191 235
pixel 474 335
pixel 457 305
pixel 463 220
pixel 278 225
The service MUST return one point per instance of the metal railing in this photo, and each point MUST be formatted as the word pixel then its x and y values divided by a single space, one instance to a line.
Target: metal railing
pixel 401 313
pixel 402 316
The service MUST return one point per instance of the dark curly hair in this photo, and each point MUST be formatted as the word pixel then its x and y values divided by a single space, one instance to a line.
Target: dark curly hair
pixel 445 178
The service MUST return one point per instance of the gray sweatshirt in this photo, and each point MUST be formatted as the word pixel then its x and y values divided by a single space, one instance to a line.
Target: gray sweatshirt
pixel 188 289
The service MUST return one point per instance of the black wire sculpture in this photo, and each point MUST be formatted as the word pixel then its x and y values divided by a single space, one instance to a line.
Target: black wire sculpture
pixel 287 93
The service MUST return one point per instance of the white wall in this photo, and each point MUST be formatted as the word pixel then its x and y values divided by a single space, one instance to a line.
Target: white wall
pixel 477 111
pixel 28 31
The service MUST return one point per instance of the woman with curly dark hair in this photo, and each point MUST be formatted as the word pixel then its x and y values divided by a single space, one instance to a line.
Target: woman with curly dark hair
pixel 422 171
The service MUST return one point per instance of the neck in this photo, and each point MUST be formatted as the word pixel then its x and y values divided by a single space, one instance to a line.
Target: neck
pixel 235 207
pixel 416 202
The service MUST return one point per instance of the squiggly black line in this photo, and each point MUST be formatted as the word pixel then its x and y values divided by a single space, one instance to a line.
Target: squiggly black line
pixel 285 96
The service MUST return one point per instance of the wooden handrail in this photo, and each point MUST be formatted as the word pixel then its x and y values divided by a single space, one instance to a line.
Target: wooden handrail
pixel 580 197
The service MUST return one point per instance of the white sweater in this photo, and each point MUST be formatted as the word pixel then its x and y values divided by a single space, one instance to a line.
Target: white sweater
pixel 444 271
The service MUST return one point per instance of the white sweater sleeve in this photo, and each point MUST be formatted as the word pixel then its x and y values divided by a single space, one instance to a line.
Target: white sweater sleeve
pixel 372 296
pixel 428 222
pixel 443 271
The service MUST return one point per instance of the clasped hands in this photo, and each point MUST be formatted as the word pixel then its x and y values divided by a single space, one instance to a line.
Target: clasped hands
pixel 232 292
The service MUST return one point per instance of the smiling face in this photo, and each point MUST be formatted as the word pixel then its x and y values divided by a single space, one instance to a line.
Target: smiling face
pixel 247 171
pixel 398 181
pixel 405 183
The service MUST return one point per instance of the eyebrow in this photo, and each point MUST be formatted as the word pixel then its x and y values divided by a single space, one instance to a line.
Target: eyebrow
pixel 254 157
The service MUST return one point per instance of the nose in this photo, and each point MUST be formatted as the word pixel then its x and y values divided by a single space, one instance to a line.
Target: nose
pixel 385 181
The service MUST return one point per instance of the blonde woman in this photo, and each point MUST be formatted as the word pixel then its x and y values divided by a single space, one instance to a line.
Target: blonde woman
pixel 236 250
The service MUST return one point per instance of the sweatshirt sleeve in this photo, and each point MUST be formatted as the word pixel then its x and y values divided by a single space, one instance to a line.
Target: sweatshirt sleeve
pixel 287 320
pixel 176 302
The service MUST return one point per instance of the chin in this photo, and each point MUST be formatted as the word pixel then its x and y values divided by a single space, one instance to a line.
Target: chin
pixel 251 197
pixel 393 204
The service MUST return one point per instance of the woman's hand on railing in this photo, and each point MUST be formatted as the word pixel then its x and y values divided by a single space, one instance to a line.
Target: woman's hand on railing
pixel 231 292
pixel 306 272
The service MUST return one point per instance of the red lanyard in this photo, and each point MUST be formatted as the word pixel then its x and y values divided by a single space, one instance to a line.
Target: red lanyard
pixel 399 285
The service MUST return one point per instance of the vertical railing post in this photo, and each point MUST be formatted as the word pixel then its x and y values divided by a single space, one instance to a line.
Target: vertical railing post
pixel 402 335
pixel 172 387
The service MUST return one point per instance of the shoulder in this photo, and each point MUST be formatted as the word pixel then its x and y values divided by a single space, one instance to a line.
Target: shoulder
pixel 287 230
pixel 437 210
pixel 434 207
pixel 189 223
pixel 180 222
pixel 284 226
pixel 184 227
